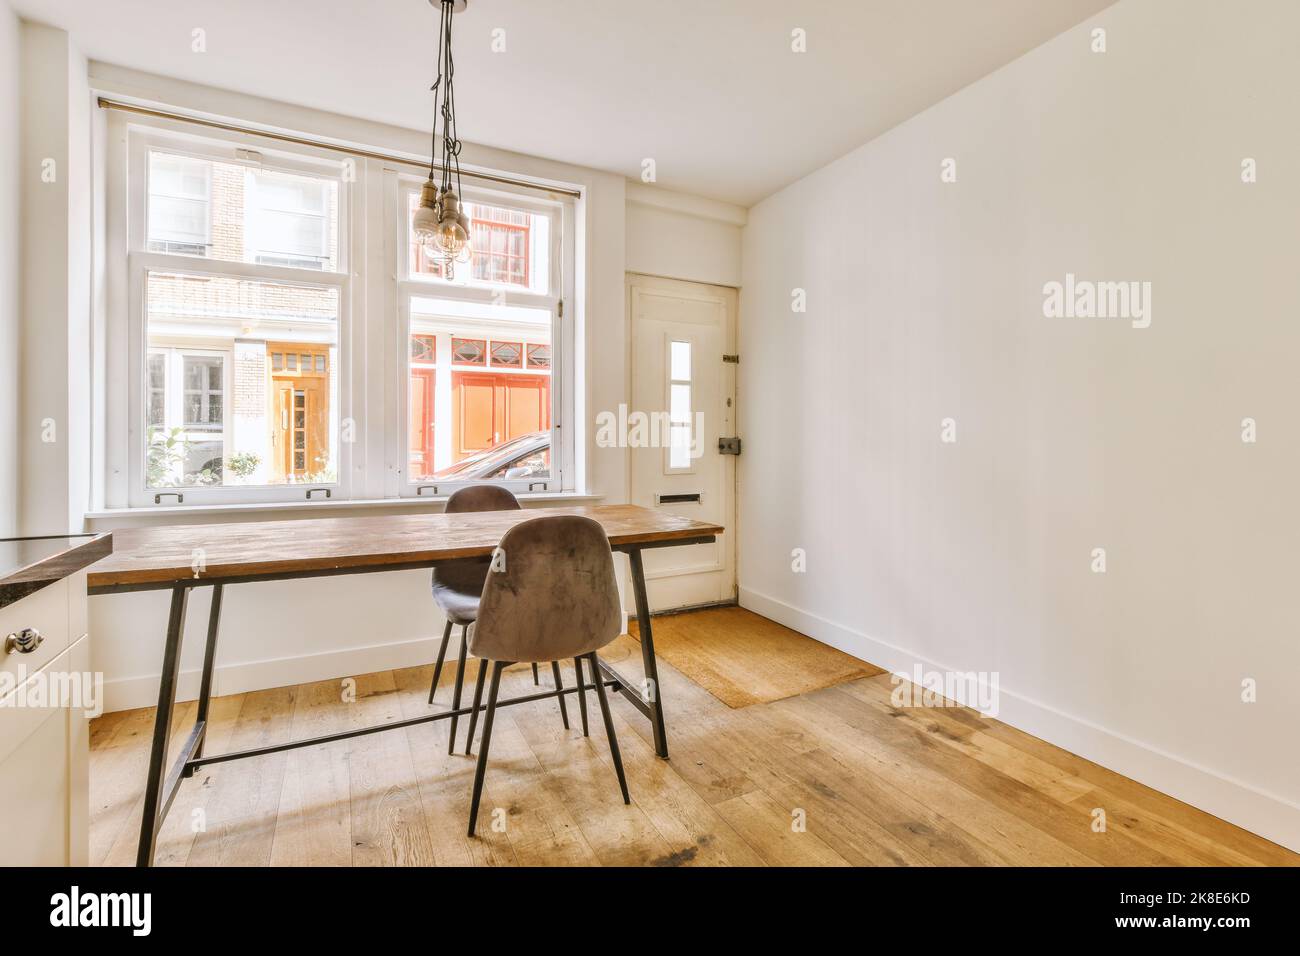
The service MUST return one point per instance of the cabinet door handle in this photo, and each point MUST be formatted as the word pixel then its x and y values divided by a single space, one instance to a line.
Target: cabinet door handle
pixel 24 641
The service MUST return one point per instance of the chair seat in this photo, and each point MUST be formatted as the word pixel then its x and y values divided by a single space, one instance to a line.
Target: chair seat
pixel 460 607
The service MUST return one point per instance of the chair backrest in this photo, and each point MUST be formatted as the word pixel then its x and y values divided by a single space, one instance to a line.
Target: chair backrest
pixel 555 596
pixel 482 498
pixel 468 576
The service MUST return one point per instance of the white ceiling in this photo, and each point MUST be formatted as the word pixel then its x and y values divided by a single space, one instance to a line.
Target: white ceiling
pixel 709 89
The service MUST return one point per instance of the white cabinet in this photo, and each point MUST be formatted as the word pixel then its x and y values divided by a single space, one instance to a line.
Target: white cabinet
pixel 46 693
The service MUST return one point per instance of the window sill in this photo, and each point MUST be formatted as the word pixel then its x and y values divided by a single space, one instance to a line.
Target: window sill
pixel 271 508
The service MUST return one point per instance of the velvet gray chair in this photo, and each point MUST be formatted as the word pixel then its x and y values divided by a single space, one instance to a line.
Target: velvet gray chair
pixel 456 590
pixel 554 596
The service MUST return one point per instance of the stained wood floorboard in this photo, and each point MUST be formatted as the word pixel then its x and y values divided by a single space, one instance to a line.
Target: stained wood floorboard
pixel 832 777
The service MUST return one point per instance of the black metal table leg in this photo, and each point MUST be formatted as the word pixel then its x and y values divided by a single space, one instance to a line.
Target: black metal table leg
pixel 209 661
pixel 162 726
pixel 653 689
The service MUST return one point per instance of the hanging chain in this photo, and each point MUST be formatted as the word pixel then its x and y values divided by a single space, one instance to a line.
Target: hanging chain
pixel 444 105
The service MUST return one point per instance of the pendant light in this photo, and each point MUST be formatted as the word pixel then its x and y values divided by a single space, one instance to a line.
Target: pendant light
pixel 440 224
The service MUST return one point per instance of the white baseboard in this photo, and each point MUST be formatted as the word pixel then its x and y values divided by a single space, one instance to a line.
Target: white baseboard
pixel 125 693
pixel 1269 815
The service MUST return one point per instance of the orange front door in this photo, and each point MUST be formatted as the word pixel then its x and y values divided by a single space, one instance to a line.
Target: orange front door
pixel 489 409
pixel 299 410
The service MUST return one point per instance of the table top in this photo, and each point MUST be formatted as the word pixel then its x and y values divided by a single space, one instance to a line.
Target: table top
pixel 157 557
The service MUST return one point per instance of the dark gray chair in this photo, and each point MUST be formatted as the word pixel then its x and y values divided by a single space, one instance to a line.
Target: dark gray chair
pixel 555 597
pixel 456 590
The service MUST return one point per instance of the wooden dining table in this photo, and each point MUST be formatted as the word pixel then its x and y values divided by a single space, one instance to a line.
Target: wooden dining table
pixel 184 557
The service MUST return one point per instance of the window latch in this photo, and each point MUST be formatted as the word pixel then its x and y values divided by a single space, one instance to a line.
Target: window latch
pixel 180 498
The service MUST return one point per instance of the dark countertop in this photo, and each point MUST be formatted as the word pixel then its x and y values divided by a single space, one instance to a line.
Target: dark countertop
pixel 29 564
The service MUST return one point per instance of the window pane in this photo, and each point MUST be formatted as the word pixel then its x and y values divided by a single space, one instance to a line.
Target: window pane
pixel 229 212
pixel 475 411
pixel 256 398
pixel 679 446
pixel 157 388
pixel 510 248
pixel 179 189
pixel 679 409
pixel 681 362
pixel 290 221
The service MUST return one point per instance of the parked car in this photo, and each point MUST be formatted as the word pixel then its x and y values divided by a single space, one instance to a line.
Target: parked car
pixel 528 456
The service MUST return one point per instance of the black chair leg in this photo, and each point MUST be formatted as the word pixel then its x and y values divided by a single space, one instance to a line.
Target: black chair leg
pixel 437 668
pixel 609 727
pixel 478 699
pixel 536 680
pixel 481 769
pixel 460 680
pixel 559 685
pixel 582 694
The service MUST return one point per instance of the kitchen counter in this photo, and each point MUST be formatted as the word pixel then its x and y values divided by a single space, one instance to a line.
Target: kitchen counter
pixel 29 564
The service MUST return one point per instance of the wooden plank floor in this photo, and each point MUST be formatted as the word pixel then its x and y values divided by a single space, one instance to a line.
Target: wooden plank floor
pixel 743 659
pixel 833 777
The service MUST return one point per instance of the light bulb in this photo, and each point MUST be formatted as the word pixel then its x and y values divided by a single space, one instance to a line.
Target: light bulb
pixel 424 224
pixel 451 237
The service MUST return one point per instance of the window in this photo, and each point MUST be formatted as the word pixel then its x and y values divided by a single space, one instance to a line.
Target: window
pixel 187 420
pixel 259 386
pixel 179 210
pixel 483 386
pixel 468 351
pixel 511 249
pixel 539 356
pixel 239 396
pixel 289 221
pixel 679 405
pixel 241 289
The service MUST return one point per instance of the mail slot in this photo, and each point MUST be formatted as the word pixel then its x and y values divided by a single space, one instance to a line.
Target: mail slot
pixel 694 498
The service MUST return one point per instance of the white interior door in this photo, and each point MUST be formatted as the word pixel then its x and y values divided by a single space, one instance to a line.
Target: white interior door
pixel 683 401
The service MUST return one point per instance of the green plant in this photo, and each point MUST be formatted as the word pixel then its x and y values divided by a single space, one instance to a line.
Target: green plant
pixel 243 463
pixel 166 451
pixel 166 456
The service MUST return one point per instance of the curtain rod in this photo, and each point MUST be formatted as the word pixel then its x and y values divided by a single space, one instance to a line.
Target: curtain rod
pixel 106 103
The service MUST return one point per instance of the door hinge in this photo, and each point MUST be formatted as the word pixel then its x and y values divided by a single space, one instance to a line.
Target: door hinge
pixel 728 446
pixel 731 359
pixel 560 308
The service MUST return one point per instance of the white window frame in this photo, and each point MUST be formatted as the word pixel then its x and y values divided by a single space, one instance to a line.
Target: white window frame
pixel 371 350
pixel 128 266
pixel 409 285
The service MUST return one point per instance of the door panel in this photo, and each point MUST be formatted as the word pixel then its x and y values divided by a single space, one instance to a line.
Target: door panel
pixel 680 332
pixel 421 421
pixel 490 409
pixel 473 408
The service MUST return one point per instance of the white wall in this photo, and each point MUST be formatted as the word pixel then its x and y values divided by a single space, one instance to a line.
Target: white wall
pixel 54 401
pixel 925 301
pixel 10 341
pixel 679 236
